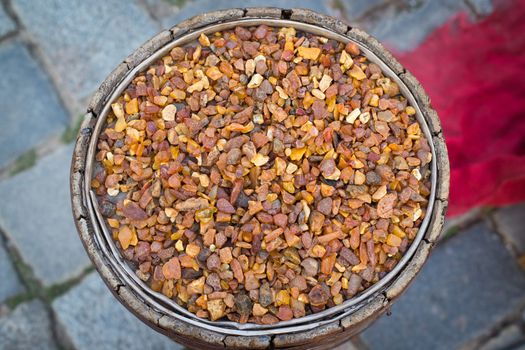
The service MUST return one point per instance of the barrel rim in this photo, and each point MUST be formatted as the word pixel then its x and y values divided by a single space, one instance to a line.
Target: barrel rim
pixel 80 203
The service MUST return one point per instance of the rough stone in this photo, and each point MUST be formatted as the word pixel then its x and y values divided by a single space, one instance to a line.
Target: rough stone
pixel 456 223
pixel 405 28
pixel 27 327
pixel 175 15
pixel 508 338
pixel 469 284
pixel 354 10
pixel 510 222
pixel 10 283
pixel 162 8
pixel 38 120
pixel 482 7
pixel 89 317
pixel 6 23
pixel 346 346
pixel 92 38
pixel 35 213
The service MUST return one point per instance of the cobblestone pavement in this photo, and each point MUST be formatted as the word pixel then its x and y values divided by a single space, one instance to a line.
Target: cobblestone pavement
pixel 470 294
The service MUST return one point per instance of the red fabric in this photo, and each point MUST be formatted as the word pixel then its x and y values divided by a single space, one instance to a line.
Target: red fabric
pixel 474 74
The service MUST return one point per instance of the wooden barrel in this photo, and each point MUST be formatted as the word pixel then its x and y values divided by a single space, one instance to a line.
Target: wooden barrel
pixel 332 330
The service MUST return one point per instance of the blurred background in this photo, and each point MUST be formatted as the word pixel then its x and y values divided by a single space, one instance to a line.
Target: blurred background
pixel 468 54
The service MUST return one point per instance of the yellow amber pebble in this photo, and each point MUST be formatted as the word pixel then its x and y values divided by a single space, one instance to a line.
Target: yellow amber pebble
pixel 297 153
pixel 310 53
pixel 260 159
pixel 393 240
pixel 282 298
pixel 125 236
pixel 357 73
pixel 132 106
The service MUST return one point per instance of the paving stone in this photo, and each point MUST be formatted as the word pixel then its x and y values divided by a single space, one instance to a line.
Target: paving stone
pixel 89 317
pixel 470 283
pixel 346 346
pixel 92 39
pixel 192 8
pixel 461 221
pixel 161 9
pixel 27 327
pixel 10 284
pixel 482 7
pixel 353 10
pixel 6 23
pixel 30 109
pixel 401 24
pixel 510 222
pixel 508 338
pixel 404 28
pixel 35 213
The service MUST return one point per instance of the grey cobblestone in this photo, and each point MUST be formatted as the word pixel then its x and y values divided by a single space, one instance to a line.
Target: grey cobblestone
pixel 481 7
pixel 510 222
pixel 462 221
pixel 91 39
pixel 353 10
pixel 164 8
pixel 192 8
pixel 31 112
pixel 346 346
pixel 89 317
pixel 10 284
pixel 6 23
pixel 402 25
pixel 27 327
pixel 469 284
pixel 405 27
pixel 35 213
pixel 506 339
